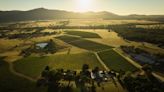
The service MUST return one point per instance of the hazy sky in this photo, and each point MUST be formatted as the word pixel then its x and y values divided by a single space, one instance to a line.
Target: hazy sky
pixel 122 7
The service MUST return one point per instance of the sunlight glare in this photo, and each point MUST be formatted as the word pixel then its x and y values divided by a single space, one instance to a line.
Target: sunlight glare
pixel 84 5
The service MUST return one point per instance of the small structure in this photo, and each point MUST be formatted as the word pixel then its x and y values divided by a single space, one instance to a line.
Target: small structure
pixel 41 45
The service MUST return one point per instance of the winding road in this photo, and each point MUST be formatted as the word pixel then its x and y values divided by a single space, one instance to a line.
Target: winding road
pixel 13 71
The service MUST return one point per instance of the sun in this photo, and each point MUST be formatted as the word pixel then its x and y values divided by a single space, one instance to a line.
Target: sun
pixel 84 5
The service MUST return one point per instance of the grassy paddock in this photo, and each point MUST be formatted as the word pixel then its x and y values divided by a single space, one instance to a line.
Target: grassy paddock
pixel 83 34
pixel 84 44
pixel 115 61
pixel 32 66
pixel 12 83
pixel 90 45
pixel 68 39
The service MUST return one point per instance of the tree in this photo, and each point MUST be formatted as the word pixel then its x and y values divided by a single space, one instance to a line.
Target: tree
pixel 51 47
pixel 98 79
pixel 84 78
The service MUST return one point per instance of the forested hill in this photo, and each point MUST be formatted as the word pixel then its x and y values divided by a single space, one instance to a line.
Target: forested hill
pixel 46 14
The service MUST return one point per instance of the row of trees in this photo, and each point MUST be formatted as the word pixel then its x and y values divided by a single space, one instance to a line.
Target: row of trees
pixel 59 80
pixel 142 83
pixel 131 32
pixel 25 33
pixel 28 35
pixel 65 25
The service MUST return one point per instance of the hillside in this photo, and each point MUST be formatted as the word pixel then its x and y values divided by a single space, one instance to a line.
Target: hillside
pixel 46 14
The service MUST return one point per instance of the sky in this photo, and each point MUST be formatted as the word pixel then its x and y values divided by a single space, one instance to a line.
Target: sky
pixel 122 7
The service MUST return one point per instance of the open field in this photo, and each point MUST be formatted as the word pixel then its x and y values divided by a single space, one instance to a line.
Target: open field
pixel 91 46
pixel 115 61
pixel 68 39
pixel 82 34
pixel 96 22
pixel 6 44
pixel 79 22
pixel 78 47
pixel 32 66
pixel 84 44
pixel 12 83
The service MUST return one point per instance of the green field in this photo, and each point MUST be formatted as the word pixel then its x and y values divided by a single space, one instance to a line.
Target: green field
pixel 12 83
pixel 83 34
pixel 68 39
pixel 32 66
pixel 84 44
pixel 115 61
pixel 90 45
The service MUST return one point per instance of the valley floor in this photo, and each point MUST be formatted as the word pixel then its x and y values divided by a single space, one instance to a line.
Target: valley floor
pixel 97 48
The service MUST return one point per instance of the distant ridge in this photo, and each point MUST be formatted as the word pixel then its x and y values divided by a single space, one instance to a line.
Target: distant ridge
pixel 47 14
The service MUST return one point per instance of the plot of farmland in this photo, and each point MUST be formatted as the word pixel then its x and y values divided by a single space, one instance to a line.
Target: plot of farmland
pixel 32 66
pixel 84 44
pixel 83 34
pixel 12 83
pixel 68 39
pixel 115 61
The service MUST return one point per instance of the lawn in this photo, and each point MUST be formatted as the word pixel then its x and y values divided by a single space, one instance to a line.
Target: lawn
pixel 83 34
pixel 33 66
pixel 12 83
pixel 84 44
pixel 116 62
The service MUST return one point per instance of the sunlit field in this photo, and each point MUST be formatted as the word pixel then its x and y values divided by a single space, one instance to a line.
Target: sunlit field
pixel 82 34
pixel 80 22
pixel 116 62
pixel 81 45
pixel 75 47
pixel 16 83
pixel 32 66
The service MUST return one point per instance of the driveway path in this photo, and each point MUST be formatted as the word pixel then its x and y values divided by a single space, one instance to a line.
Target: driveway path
pixel 101 62
pixel 12 70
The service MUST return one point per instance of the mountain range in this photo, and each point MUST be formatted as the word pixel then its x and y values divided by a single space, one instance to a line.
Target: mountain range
pixel 47 14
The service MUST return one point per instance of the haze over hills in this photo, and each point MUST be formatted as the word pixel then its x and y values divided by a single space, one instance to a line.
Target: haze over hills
pixel 46 14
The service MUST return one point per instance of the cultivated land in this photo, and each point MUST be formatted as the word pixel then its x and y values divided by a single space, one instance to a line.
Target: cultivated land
pixel 84 44
pixel 32 66
pixel 82 34
pixel 12 83
pixel 79 46
pixel 116 62
pixel 79 22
